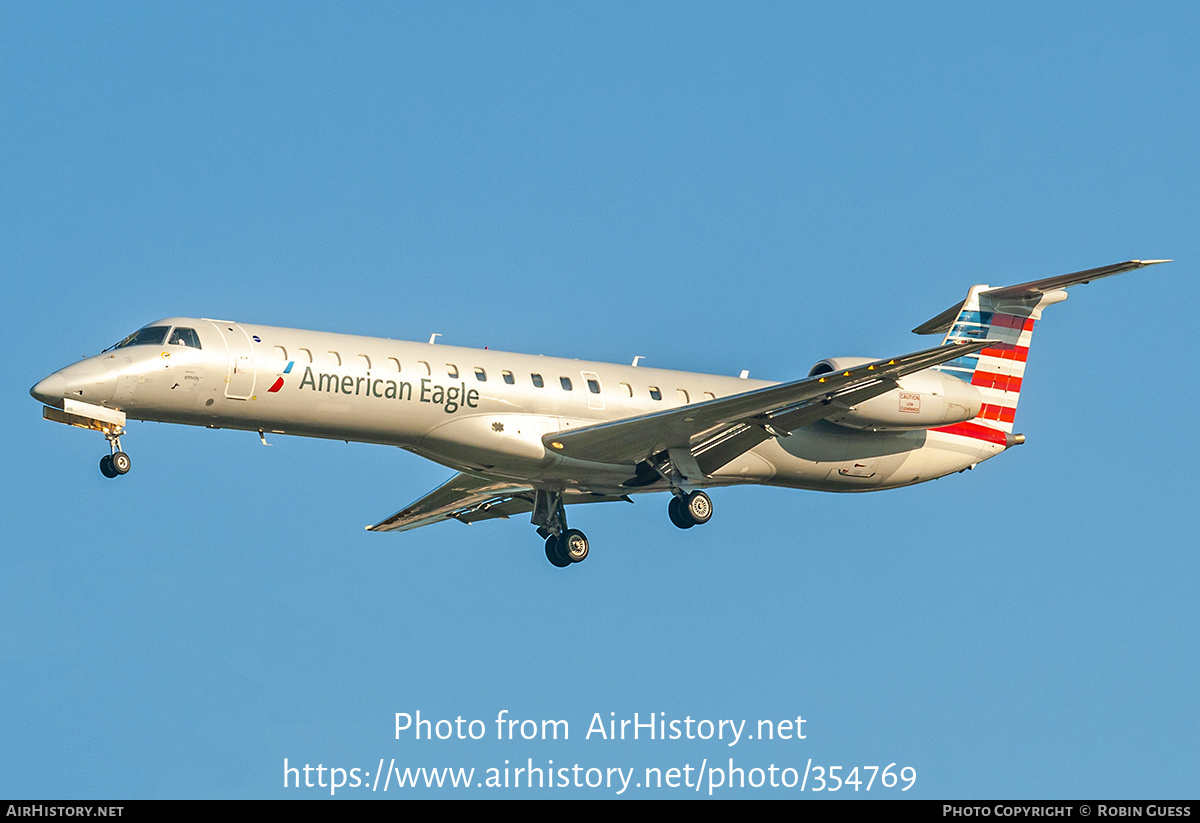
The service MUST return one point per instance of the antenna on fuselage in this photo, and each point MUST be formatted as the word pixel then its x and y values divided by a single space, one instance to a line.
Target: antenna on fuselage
pixel 433 337
pixel 639 357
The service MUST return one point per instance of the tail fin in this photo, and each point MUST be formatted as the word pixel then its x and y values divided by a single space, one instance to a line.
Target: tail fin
pixel 997 371
pixel 1007 316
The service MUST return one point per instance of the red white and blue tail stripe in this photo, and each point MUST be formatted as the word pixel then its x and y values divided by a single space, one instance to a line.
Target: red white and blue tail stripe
pixel 998 370
pixel 1006 316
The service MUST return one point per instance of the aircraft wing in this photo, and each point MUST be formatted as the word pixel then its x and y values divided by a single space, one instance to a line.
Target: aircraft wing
pixel 723 428
pixel 465 498
pixel 469 499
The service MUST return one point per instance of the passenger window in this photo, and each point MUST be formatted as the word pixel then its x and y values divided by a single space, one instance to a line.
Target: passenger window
pixel 683 395
pixel 280 351
pixel 395 364
pixel 366 361
pixel 451 370
pixel 565 382
pixel 187 337
pixel 709 396
pixel 593 386
pixel 655 393
pixel 423 364
pixel 508 377
pixel 537 380
pixel 480 374
pixel 628 389
pixel 337 358
pixel 307 355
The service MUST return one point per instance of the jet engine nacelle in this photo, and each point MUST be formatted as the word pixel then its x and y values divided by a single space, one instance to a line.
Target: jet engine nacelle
pixel 921 401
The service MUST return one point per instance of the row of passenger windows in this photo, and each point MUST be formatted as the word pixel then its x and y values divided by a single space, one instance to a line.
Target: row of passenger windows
pixel 180 336
pixel 452 371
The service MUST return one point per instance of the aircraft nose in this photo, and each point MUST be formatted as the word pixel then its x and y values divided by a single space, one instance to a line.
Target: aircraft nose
pixel 50 390
pixel 92 381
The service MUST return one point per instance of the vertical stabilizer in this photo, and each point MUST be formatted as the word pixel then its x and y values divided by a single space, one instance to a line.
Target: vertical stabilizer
pixel 999 369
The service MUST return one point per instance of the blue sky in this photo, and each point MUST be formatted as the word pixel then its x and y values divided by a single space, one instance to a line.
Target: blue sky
pixel 714 187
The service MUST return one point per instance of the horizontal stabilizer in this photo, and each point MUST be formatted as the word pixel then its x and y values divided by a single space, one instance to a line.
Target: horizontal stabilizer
pixel 941 324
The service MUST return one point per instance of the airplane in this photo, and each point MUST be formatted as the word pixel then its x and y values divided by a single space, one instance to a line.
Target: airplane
pixel 529 434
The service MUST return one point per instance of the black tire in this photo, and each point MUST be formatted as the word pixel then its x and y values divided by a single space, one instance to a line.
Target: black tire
pixel 121 463
pixel 106 466
pixel 699 507
pixel 553 555
pixel 679 515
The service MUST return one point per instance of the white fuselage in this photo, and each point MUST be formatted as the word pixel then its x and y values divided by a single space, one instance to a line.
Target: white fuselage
pixel 479 411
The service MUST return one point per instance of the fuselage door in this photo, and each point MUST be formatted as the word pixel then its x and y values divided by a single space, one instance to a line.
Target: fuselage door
pixel 239 384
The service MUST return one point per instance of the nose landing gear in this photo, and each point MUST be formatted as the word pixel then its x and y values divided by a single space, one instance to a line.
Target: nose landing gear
pixel 109 422
pixel 117 463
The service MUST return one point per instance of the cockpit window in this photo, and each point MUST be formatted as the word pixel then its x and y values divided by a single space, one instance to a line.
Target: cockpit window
pixel 185 337
pixel 149 336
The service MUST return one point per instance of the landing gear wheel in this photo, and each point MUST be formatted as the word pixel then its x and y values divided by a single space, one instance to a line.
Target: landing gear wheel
pixel 678 515
pixel 574 545
pixel 120 462
pixel 553 555
pixel 698 507
pixel 106 466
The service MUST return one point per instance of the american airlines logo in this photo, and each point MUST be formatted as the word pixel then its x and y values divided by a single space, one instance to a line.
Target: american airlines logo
pixel 278 384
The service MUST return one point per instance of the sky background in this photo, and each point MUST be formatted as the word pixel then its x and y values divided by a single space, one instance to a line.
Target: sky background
pixel 713 186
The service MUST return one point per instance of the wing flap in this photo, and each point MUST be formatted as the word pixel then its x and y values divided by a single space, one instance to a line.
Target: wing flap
pixel 772 410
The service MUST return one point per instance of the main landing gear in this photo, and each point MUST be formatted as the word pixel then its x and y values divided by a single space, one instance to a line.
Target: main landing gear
pixel 117 463
pixel 569 547
pixel 691 509
pixel 563 546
